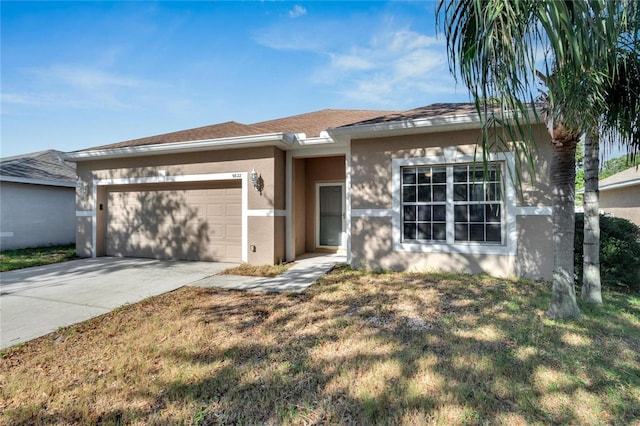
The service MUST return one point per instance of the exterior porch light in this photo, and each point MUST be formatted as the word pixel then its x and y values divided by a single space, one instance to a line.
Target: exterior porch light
pixel 256 180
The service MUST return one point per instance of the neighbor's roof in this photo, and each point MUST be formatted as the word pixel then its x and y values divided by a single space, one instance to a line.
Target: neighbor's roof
pixel 38 167
pixel 628 177
pixel 312 124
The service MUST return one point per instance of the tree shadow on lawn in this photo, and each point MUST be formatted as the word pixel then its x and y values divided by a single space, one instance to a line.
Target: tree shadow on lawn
pixel 356 348
pixel 402 348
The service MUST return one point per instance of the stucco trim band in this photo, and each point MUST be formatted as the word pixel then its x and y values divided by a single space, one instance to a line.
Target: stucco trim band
pixel 266 212
pixel 371 213
pixel 534 211
pixel 519 211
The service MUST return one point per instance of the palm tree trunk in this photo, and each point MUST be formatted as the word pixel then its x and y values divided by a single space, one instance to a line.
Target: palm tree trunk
pixel 591 287
pixel 563 297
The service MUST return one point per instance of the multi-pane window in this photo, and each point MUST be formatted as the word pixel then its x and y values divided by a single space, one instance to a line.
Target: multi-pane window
pixel 424 203
pixel 460 196
pixel 477 203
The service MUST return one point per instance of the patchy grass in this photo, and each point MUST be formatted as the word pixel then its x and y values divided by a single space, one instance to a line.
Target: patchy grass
pixel 356 348
pixel 247 270
pixel 25 258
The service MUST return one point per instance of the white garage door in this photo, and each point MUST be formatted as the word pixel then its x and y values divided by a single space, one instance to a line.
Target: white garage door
pixel 178 221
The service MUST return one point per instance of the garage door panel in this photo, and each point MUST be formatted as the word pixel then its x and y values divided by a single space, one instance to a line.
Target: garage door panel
pixel 215 195
pixel 175 221
pixel 233 232
pixel 218 250
pixel 215 210
pixel 217 232
pixel 231 249
pixel 233 209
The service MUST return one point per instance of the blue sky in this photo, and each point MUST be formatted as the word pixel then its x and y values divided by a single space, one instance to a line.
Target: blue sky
pixel 82 74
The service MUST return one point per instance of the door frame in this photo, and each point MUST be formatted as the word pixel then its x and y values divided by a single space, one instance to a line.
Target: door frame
pixel 343 236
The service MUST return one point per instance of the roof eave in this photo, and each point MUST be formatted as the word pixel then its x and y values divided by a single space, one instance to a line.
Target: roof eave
pixel 411 126
pixel 400 128
pixel 31 181
pixel 282 140
pixel 631 182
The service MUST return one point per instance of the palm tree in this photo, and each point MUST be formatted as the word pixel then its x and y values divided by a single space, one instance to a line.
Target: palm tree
pixel 619 124
pixel 591 285
pixel 497 44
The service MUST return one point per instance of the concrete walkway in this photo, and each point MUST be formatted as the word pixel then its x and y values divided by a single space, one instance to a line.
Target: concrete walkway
pixel 307 270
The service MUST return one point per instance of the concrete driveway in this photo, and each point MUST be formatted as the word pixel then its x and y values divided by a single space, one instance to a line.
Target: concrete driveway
pixel 37 301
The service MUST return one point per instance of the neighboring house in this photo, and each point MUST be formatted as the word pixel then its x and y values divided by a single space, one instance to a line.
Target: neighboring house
pixel 620 195
pixel 394 190
pixel 37 200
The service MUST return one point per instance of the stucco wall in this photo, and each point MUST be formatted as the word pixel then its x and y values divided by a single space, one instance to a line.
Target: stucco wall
pixel 371 182
pixel 265 233
pixel 372 249
pixel 622 202
pixel 372 187
pixel 535 247
pixel 37 215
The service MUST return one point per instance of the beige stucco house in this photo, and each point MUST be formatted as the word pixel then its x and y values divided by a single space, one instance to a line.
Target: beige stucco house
pixel 392 189
pixel 37 200
pixel 620 195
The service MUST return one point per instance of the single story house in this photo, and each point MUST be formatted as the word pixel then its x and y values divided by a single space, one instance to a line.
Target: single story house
pixel 37 200
pixel 392 189
pixel 620 195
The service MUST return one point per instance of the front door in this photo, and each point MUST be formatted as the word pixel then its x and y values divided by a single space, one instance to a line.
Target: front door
pixel 330 209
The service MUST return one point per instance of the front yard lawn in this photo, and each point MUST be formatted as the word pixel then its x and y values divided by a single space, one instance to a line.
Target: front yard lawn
pixel 25 258
pixel 248 270
pixel 355 348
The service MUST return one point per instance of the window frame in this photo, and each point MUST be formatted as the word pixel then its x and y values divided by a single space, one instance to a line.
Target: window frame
pixel 450 159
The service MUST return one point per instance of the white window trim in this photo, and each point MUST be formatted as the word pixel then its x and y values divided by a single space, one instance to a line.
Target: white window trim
pixel 343 236
pixel 267 213
pixel 162 178
pixel 451 156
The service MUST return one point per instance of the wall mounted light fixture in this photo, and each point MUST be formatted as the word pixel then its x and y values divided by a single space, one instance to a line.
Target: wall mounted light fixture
pixel 256 180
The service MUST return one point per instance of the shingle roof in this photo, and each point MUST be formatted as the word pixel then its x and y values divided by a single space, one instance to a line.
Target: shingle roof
pixel 429 111
pixel 229 129
pixel 631 174
pixel 43 165
pixel 315 122
pixel 311 124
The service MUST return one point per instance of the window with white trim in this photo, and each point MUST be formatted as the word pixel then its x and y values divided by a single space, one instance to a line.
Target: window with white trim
pixel 457 203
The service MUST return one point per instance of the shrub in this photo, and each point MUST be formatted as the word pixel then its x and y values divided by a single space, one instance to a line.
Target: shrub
pixel 619 252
